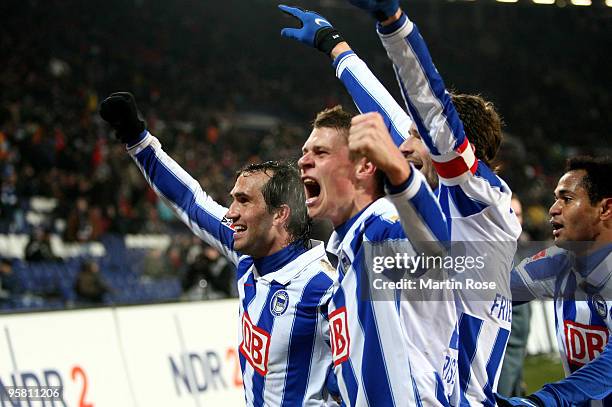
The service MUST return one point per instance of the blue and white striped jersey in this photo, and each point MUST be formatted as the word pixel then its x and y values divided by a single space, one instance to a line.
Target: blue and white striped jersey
pixel 582 292
pixel 475 200
pixel 440 349
pixel 284 348
pixel 377 362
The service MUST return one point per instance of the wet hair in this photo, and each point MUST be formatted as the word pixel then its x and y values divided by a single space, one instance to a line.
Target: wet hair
pixel 482 125
pixel 284 188
pixel 596 181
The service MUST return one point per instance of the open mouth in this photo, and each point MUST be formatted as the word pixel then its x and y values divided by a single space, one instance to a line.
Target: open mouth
pixel 238 229
pixel 556 226
pixel 312 190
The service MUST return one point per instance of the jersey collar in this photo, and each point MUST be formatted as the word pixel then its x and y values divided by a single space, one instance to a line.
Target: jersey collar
pixel 347 228
pixel 284 265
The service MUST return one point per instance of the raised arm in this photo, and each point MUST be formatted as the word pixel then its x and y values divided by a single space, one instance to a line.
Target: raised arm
pixel 368 94
pixel 420 213
pixel 173 184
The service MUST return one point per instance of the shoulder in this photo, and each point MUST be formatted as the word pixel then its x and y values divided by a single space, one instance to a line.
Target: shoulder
pixel 547 258
pixel 383 224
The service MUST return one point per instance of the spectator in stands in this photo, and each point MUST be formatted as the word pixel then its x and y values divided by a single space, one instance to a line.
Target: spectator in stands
pixel 39 246
pixel 89 285
pixel 84 223
pixel 210 276
pixel 10 287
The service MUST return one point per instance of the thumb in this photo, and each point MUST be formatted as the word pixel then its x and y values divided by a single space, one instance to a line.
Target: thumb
pixel 291 33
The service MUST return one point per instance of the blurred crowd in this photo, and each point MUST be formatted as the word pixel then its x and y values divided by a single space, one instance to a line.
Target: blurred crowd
pixel 222 89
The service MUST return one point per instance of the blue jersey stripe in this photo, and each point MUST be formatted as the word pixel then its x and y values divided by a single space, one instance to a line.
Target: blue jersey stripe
pixel 366 102
pixel 417 44
pixel 373 369
pixel 569 305
pixel 440 394
pixel 416 116
pixel 265 322
pixel 469 331
pixel 483 171
pixel 464 204
pixel 493 365
pixel 303 337
pixel 173 188
pixel 350 381
pixel 430 214
pixel 243 267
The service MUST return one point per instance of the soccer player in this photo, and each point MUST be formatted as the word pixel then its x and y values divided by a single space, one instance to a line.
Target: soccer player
pixel 284 280
pixel 475 200
pixel 357 212
pixel 577 274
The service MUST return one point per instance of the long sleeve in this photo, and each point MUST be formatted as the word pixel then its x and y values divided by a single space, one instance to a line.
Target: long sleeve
pixel 429 102
pixel 420 213
pixel 185 196
pixel 369 95
pixel 591 382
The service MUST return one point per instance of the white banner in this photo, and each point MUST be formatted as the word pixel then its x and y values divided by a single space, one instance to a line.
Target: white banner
pixel 183 355
pixel 141 356
pixel 146 356
pixel 77 350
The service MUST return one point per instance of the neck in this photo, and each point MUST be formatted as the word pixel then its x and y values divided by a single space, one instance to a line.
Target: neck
pixel 359 203
pixel 599 241
pixel 279 243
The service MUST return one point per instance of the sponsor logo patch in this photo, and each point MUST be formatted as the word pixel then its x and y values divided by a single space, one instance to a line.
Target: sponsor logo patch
pixel 340 339
pixel 255 345
pixel 584 342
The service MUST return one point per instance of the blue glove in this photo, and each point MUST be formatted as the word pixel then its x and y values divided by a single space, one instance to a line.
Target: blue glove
pixel 315 31
pixel 530 401
pixel 380 9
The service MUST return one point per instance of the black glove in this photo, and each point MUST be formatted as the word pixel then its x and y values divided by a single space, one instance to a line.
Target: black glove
pixel 121 112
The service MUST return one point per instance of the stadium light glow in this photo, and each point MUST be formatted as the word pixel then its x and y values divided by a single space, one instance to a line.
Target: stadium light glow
pixel 609 3
pixel 581 2
pixel 544 1
pixel 506 1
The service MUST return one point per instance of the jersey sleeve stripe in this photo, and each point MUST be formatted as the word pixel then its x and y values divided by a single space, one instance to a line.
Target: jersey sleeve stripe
pixel 193 206
pixel 369 95
pixel 423 86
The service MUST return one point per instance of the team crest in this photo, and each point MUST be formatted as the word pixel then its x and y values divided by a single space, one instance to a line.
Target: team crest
pixel 279 303
pixel 600 305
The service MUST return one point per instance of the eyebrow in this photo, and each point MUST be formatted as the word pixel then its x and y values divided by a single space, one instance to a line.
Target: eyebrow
pixel 564 192
pixel 239 195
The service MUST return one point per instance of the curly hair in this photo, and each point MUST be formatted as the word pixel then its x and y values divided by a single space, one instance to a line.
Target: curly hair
pixel 481 123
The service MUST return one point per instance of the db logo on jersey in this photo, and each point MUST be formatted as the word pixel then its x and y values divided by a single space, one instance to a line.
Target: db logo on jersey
pixel 340 340
pixel 584 342
pixel 255 345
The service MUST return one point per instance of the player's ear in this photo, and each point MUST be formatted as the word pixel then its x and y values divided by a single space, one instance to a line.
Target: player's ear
pixel 364 168
pixel 606 209
pixel 281 215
